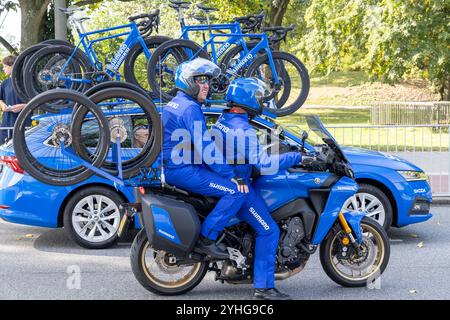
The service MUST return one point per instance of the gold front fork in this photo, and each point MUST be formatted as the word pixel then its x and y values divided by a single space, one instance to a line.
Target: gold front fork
pixel 347 230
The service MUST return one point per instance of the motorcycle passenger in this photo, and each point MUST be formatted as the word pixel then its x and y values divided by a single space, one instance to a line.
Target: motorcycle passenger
pixel 245 96
pixel 184 166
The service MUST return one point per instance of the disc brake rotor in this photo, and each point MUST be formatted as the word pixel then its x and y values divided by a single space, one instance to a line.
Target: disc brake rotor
pixel 61 134
pixel 165 263
pixel 368 257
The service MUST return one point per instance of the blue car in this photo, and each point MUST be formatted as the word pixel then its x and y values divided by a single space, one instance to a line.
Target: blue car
pixel 393 191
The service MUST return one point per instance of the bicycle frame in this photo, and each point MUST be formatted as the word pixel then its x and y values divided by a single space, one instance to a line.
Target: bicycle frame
pixel 237 38
pixel 133 36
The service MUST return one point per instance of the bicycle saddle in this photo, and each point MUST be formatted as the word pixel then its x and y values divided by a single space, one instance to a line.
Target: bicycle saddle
pixel 70 11
pixel 206 9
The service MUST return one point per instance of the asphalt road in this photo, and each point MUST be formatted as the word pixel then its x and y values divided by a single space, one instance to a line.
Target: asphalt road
pixel 35 264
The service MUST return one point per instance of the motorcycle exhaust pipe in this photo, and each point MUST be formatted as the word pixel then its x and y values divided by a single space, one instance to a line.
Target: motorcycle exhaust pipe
pixel 288 273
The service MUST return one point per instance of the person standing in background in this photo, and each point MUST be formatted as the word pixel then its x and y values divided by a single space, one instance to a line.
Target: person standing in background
pixel 9 101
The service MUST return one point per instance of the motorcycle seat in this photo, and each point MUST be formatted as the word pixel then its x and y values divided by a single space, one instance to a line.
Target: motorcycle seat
pixel 202 204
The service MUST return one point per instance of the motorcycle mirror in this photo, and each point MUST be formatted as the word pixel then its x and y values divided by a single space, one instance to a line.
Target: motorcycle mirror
pixel 304 137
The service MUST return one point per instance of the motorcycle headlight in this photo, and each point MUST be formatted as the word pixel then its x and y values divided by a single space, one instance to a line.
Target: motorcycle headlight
pixel 414 175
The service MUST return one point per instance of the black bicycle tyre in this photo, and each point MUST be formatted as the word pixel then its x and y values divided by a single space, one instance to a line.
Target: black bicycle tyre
pixel 49 175
pixel 304 77
pixel 17 71
pixel 79 56
pixel 130 60
pixel 57 42
pixel 151 149
pixel 172 44
pixel 230 54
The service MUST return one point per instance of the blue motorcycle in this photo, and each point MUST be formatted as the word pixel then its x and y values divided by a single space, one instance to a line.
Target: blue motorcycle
pixel 306 202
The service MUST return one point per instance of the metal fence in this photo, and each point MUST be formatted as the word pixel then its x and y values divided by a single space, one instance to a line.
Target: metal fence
pixel 409 113
pixel 427 146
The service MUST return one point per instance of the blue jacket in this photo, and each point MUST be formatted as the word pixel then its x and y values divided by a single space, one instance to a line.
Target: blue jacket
pixel 186 138
pixel 9 96
pixel 242 148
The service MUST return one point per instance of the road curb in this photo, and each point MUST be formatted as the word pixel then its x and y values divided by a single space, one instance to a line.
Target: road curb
pixel 441 200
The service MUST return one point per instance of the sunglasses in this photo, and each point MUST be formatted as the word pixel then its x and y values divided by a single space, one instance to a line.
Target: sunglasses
pixel 202 79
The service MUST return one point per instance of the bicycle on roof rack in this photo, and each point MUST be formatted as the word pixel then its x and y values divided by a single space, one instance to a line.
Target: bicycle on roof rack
pixel 70 67
pixel 286 75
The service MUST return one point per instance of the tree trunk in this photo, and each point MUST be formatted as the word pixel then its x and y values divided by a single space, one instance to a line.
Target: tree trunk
pixel 33 12
pixel 277 10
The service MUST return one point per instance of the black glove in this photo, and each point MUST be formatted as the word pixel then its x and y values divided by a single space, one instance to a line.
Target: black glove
pixel 241 184
pixel 313 164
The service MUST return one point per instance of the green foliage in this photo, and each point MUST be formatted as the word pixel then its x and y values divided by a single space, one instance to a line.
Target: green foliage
pixel 385 39
pixel 388 39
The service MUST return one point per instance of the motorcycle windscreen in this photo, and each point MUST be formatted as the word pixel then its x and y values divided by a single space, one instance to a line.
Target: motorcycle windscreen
pixel 171 225
pixel 318 128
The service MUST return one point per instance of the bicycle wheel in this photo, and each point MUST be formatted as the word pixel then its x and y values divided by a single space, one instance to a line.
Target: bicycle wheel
pixel 295 81
pixel 126 110
pixel 164 62
pixel 39 137
pixel 58 42
pixel 17 71
pixel 44 67
pixel 135 64
pixel 116 84
pixel 232 57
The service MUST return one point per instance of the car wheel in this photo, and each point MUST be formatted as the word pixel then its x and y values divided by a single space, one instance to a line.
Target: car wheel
pixel 374 201
pixel 92 217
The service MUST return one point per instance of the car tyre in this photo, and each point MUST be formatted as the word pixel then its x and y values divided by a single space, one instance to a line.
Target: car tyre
pixel 82 215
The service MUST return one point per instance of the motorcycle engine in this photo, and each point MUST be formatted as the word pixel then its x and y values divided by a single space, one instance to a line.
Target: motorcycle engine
pixel 292 233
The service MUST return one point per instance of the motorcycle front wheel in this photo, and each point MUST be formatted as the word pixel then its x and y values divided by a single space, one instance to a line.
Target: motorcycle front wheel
pixel 345 267
pixel 158 272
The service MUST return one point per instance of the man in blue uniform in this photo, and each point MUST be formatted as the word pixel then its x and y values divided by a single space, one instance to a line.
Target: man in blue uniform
pixel 9 101
pixel 245 97
pixel 184 164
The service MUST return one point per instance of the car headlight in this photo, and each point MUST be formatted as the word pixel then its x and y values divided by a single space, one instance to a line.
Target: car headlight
pixel 414 175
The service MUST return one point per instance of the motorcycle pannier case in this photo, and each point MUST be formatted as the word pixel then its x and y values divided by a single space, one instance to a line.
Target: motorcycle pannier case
pixel 171 225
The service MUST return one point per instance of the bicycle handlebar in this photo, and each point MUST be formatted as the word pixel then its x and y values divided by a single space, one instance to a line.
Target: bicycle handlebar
pixel 251 22
pixel 149 21
pixel 206 9
pixel 279 32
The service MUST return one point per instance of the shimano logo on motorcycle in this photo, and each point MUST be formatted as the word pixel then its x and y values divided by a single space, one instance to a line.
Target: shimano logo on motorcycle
pixel 166 234
pixel 346 188
pixel 222 188
pixel 240 64
pixel 119 57
pixel 259 219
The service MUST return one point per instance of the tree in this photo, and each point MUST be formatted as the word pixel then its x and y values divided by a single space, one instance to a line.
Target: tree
pixel 33 13
pixel 5 7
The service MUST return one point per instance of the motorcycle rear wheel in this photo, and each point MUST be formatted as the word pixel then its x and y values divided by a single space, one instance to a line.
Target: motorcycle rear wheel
pixel 142 254
pixel 377 252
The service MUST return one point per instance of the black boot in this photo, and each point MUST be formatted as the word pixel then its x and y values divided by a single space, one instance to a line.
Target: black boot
pixel 270 294
pixel 209 247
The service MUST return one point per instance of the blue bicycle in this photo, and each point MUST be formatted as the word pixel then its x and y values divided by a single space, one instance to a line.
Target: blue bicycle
pixel 285 74
pixel 68 67
pixel 135 65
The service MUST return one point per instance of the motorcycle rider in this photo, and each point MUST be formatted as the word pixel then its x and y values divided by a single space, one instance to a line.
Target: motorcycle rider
pixel 245 96
pixel 184 165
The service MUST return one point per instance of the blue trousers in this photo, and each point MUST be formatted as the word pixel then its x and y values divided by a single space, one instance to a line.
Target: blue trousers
pixel 255 213
pixel 201 180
